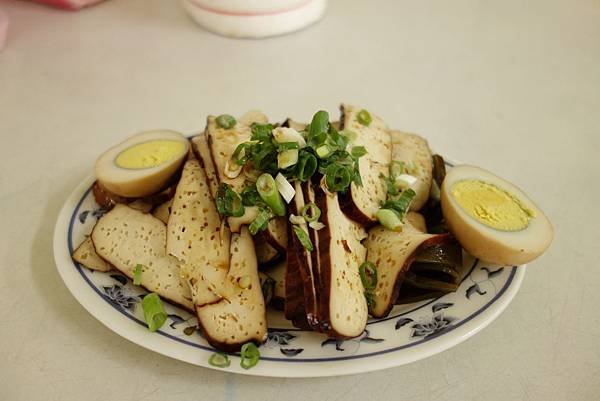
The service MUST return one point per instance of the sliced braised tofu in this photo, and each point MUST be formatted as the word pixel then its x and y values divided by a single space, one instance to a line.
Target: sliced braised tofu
pixel 276 233
pixel 266 255
pixel 413 151
pixel 223 142
pixel 361 202
pixel 296 278
pixel 86 255
pixel 220 267
pixel 195 235
pixel 307 263
pixel 202 152
pixel 163 211
pixel 240 316
pixel 392 253
pixel 298 126
pixel 141 205
pixel 277 273
pixel 235 223
pixel 126 237
pixel 343 308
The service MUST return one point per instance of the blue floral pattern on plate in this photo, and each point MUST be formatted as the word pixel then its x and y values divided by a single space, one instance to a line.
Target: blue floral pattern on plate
pixel 407 326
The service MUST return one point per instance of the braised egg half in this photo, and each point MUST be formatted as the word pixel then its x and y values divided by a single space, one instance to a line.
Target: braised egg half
pixel 492 219
pixel 143 164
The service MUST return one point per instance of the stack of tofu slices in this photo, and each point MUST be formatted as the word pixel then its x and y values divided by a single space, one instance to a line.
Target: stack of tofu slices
pixel 209 264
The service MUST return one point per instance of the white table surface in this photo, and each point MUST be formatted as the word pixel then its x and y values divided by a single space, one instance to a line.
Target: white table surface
pixel 511 86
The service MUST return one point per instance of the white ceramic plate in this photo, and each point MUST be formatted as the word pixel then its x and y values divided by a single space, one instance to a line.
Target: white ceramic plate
pixel 409 333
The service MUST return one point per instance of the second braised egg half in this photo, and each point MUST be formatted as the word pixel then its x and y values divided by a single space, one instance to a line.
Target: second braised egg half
pixel 493 219
pixel 143 164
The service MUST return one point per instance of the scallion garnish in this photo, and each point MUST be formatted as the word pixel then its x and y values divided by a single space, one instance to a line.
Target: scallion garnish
pixel 306 166
pixel 318 129
pixel 368 276
pixel 219 360
pixel 154 312
pixel 267 189
pixel 389 219
pixel 337 177
pixel 137 275
pixel 261 132
pixel 226 121
pixel 250 196
pixel 250 355
pixel 261 221
pixel 400 204
pixel 364 117
pixel 303 238
pixel 358 151
pixel 281 146
pixel 310 212
pixel 287 158
pixel 323 151
pixel 229 202
pixel 239 154
pixel 286 190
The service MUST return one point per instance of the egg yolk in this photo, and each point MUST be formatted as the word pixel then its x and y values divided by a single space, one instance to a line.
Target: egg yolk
pixel 491 205
pixel 149 154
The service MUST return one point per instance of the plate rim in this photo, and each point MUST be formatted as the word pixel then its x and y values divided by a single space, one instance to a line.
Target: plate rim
pixel 162 344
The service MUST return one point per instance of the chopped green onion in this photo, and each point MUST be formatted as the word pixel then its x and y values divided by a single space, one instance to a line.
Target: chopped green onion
pixel 358 151
pixel 296 219
pixel 368 275
pixel 286 190
pixel 316 225
pixel 154 312
pixel 364 117
pixel 389 219
pixel 219 360
pixel 250 196
pixel 306 167
pixel 226 121
pixel 286 134
pixel 267 189
pixel 239 154
pixel 323 151
pixel 349 135
pixel 282 146
pixel 402 203
pixel 319 126
pixel 229 202
pixel 260 222
pixel 397 168
pixel 261 132
pixel 303 238
pixel 250 355
pixel 137 275
pixel 310 212
pixel 337 177
pixel 405 180
pixel 287 158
